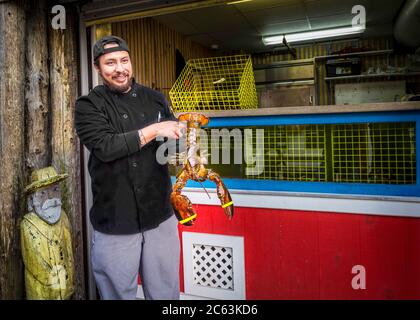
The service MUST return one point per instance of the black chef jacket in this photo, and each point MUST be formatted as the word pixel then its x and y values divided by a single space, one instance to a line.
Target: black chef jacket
pixel 131 190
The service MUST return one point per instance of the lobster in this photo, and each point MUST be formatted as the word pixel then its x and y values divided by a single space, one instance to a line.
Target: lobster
pixel 194 169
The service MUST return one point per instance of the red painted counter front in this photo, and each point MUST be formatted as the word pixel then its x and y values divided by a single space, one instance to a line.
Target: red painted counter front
pixel 310 255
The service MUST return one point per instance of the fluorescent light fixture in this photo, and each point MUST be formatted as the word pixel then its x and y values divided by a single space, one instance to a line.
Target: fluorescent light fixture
pixel 237 1
pixel 311 35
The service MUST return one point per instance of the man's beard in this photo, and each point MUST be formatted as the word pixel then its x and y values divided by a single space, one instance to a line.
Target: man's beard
pixel 118 89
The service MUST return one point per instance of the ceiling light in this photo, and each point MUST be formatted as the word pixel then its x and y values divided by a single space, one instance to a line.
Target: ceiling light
pixel 311 35
pixel 238 1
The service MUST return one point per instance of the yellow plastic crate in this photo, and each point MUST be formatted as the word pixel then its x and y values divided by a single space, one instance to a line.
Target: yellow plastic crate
pixel 218 83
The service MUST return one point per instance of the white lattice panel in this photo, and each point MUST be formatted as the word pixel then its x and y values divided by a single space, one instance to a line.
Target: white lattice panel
pixel 213 265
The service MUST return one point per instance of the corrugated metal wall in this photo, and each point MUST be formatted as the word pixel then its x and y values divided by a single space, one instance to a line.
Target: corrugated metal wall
pixel 153 48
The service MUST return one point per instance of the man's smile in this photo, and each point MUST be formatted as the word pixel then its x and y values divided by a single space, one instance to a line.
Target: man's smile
pixel 120 78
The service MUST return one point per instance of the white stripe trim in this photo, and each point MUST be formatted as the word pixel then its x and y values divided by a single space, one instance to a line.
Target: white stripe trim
pixel 358 204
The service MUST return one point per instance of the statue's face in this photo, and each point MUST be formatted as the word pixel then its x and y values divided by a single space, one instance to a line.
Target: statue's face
pixel 46 203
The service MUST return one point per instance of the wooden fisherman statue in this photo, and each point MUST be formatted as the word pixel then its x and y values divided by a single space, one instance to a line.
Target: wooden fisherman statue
pixel 46 239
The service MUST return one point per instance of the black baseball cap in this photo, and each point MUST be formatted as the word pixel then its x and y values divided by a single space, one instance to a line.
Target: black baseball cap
pixel 99 50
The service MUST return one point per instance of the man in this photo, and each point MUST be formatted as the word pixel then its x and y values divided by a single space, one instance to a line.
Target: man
pixel 46 239
pixel 135 229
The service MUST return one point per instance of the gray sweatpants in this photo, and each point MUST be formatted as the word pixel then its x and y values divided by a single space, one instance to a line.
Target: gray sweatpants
pixel 118 259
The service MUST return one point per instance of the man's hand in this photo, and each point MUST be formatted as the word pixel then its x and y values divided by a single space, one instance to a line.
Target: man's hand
pixel 167 129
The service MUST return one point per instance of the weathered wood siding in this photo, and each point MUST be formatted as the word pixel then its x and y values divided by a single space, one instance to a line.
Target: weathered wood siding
pixel 38 88
pixel 12 86
pixel 65 146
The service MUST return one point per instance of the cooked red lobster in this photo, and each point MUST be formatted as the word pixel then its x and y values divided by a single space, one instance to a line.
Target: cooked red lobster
pixel 194 169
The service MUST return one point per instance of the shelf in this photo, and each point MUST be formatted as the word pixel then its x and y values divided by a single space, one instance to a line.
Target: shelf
pixel 272 85
pixel 363 53
pixel 367 76
pixel 284 64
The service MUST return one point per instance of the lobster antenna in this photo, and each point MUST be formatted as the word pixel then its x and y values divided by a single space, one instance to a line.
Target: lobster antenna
pixel 205 189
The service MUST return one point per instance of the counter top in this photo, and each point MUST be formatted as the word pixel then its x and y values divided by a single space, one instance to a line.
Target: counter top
pixel 366 107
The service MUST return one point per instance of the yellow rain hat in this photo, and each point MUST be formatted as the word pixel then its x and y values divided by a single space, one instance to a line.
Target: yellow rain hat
pixel 44 177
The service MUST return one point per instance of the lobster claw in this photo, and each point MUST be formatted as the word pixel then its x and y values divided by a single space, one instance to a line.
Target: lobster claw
pixel 222 193
pixel 184 210
pixel 227 205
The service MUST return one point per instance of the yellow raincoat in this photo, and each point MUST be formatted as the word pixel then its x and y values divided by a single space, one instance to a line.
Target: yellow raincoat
pixel 48 258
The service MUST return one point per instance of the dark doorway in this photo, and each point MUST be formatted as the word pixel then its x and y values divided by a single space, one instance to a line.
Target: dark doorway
pixel 179 63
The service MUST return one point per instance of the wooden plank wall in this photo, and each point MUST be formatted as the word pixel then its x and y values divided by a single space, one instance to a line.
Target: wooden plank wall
pixel 12 146
pixel 64 144
pixel 38 88
pixel 152 49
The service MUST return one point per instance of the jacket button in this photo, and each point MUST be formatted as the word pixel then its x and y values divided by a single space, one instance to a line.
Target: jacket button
pixel 134 164
pixel 125 116
pixel 138 190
